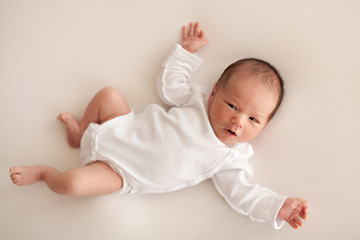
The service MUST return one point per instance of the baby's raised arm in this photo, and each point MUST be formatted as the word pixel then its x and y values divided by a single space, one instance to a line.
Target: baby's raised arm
pixel 193 38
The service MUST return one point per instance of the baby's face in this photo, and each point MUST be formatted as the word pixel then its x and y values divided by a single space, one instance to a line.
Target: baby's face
pixel 240 110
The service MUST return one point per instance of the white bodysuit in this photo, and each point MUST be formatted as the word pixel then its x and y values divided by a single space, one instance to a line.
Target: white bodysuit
pixel 165 150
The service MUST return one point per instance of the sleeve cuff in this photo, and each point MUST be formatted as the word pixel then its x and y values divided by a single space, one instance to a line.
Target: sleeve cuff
pixel 278 223
pixel 188 55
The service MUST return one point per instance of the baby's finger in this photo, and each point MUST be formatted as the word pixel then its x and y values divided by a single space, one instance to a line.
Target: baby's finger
pixel 197 29
pixel 304 212
pixel 184 34
pixel 294 225
pixel 201 34
pixel 295 213
pixel 191 30
pixel 298 222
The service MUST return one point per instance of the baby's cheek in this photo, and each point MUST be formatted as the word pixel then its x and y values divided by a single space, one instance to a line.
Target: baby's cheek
pixel 225 115
pixel 219 117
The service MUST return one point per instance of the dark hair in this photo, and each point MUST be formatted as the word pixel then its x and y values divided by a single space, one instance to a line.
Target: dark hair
pixel 261 70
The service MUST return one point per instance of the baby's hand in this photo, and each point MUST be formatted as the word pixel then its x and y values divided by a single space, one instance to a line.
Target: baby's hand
pixel 292 210
pixel 194 39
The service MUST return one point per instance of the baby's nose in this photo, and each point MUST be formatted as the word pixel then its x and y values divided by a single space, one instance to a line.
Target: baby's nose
pixel 238 121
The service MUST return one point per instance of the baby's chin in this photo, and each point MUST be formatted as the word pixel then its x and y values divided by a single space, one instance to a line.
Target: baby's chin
pixel 234 140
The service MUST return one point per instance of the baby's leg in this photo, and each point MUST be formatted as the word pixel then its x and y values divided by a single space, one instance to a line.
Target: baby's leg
pixel 72 129
pixel 108 103
pixel 95 179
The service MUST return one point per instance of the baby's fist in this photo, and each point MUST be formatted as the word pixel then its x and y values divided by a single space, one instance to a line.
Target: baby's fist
pixel 293 210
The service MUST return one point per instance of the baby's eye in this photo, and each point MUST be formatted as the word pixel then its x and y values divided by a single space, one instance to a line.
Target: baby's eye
pixel 253 119
pixel 232 106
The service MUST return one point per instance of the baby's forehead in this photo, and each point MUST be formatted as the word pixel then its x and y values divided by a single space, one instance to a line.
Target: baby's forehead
pixel 251 72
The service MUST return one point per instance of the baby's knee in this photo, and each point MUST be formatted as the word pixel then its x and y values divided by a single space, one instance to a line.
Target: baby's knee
pixel 111 103
pixel 110 93
pixel 110 96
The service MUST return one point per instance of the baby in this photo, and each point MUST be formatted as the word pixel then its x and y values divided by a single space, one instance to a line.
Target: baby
pixel 201 136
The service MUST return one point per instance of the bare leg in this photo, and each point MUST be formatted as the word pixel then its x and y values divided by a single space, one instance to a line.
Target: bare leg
pixel 107 104
pixel 95 179
pixel 72 129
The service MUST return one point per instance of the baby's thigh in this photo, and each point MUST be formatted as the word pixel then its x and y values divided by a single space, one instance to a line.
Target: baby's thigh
pixel 97 178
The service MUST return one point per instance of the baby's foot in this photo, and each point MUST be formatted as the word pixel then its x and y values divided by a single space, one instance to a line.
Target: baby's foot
pixel 72 129
pixel 26 175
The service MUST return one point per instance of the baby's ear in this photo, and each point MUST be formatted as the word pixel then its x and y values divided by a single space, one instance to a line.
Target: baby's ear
pixel 212 94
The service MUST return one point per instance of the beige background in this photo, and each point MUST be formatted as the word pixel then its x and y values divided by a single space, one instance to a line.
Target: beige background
pixel 54 55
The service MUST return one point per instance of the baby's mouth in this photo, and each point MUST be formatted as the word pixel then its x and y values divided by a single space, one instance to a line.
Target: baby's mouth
pixel 231 132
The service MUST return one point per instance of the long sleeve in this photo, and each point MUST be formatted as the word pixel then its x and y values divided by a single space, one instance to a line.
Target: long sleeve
pixel 259 203
pixel 173 84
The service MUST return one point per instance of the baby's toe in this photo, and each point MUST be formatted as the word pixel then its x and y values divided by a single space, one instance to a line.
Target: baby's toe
pixel 15 170
pixel 16 179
